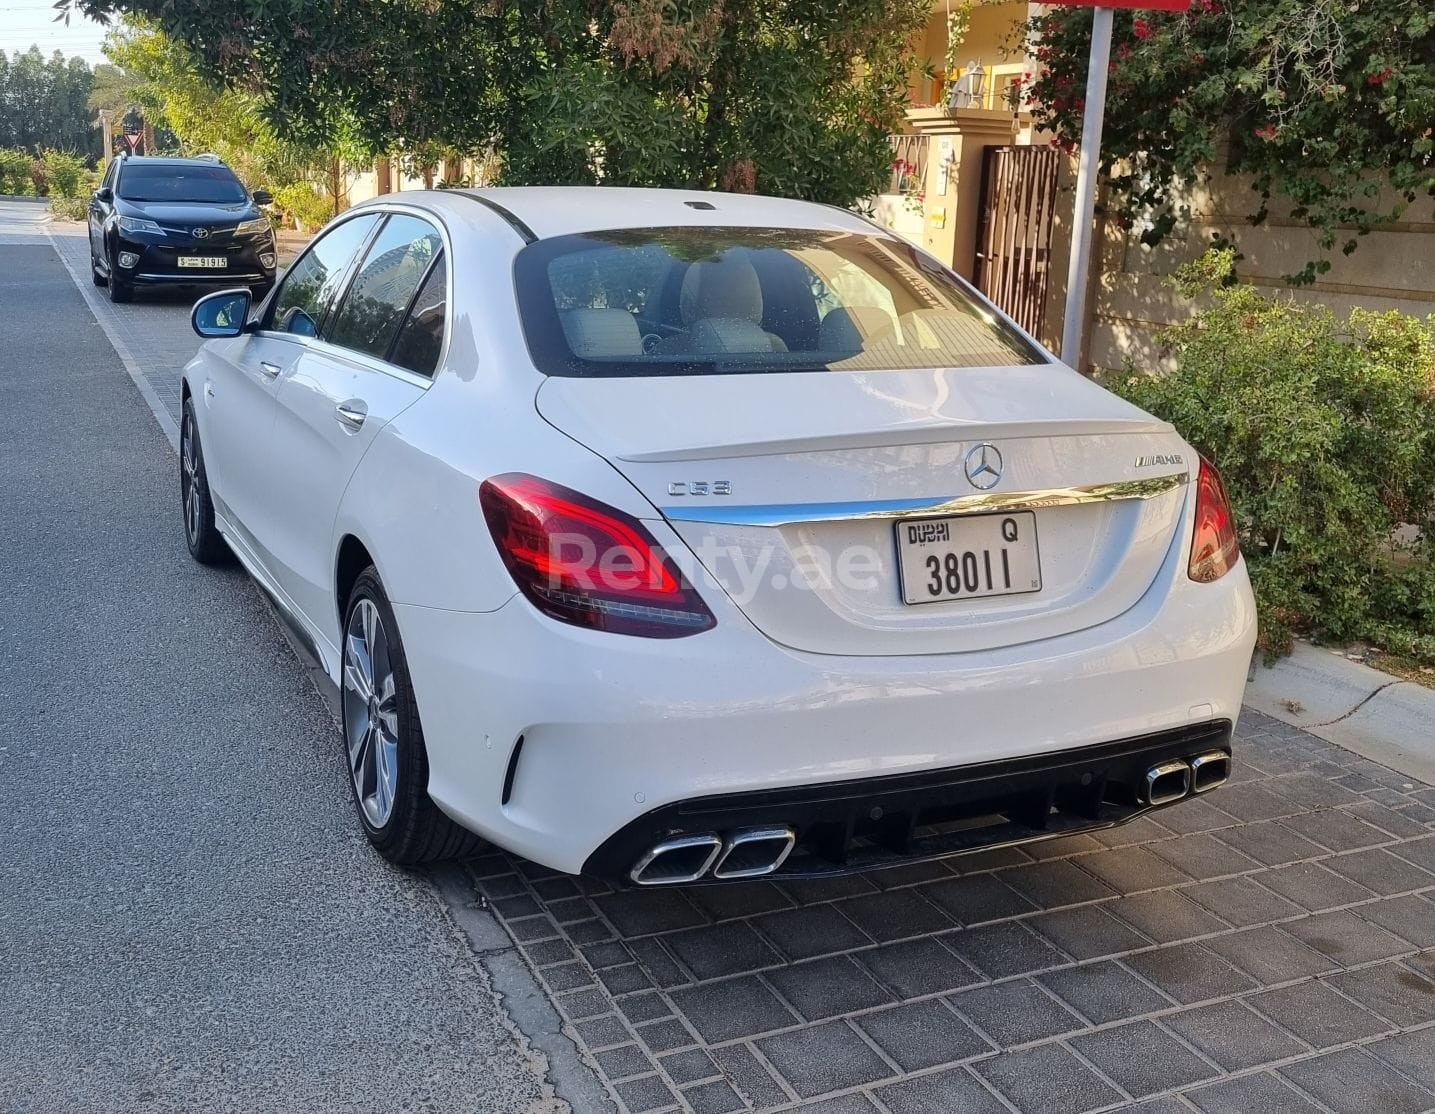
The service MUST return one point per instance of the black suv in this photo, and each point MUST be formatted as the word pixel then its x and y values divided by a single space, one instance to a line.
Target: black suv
pixel 180 222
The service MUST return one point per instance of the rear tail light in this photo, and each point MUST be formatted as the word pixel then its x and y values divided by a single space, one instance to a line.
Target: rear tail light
pixel 1214 548
pixel 585 563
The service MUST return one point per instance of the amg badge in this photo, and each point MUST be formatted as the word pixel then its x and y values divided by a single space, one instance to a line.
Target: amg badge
pixel 1159 458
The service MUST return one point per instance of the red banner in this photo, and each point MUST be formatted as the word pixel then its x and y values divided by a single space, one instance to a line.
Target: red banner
pixel 1142 5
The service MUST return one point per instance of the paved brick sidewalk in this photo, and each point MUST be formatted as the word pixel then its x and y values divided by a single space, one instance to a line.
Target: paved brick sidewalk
pixel 1268 948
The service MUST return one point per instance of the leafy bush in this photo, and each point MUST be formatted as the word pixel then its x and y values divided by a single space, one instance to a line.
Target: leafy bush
pixel 66 174
pixel 304 205
pixel 69 208
pixel 1325 433
pixel 14 171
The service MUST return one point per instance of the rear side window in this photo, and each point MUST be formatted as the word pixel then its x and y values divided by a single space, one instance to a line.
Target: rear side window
pixel 701 301
pixel 313 282
pixel 420 339
pixel 378 298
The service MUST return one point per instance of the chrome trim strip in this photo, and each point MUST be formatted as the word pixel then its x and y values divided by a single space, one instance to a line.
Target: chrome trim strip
pixel 787 514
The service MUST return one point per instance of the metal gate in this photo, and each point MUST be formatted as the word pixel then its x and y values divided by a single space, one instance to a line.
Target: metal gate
pixel 1014 239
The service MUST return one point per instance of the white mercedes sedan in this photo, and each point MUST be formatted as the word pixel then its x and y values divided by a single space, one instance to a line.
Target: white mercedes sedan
pixel 676 537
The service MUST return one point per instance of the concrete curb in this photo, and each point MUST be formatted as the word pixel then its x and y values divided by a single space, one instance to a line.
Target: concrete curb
pixel 1378 716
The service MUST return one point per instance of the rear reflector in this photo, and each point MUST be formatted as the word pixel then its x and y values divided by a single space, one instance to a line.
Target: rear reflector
pixel 1214 549
pixel 585 563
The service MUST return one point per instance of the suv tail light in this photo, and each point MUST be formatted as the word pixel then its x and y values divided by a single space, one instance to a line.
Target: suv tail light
pixel 585 563
pixel 1214 548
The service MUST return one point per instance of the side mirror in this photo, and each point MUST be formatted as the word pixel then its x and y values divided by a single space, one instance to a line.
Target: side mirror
pixel 263 197
pixel 220 315
pixel 104 193
pixel 296 321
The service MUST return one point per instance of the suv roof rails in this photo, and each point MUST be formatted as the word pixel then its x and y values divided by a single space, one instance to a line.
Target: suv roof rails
pixel 208 156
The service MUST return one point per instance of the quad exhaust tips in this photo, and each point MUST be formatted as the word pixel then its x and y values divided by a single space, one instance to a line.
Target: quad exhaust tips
pixel 674 861
pixel 1170 781
pixel 1210 770
pixel 753 852
pixel 1167 782
pixel 745 853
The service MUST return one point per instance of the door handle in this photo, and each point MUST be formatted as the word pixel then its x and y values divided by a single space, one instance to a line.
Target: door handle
pixel 271 370
pixel 351 414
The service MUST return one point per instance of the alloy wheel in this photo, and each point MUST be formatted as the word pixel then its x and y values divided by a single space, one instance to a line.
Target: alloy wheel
pixel 371 721
pixel 189 479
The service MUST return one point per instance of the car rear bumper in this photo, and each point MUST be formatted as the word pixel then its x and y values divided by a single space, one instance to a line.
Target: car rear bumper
pixel 847 826
pixel 615 730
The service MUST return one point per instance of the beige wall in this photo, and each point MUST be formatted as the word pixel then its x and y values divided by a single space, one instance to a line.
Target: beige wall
pixel 1390 269
pixel 992 40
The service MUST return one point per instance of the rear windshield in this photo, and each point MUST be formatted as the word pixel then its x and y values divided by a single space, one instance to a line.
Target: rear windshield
pixel 692 301
pixel 216 185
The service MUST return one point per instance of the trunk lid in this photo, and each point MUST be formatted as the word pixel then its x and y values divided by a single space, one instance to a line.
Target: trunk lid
pixel 791 489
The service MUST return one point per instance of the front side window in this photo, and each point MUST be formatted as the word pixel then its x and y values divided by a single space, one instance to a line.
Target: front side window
pixel 420 339
pixel 388 278
pixel 210 185
pixel 691 301
pixel 313 282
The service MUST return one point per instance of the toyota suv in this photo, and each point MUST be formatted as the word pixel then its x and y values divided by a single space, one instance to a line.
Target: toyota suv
pixel 184 222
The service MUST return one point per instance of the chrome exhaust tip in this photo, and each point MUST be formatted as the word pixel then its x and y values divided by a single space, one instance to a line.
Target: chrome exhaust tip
pixel 754 852
pixel 1210 770
pixel 1167 782
pixel 675 861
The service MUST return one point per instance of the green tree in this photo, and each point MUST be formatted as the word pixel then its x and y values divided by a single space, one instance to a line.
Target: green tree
pixel 43 103
pixel 784 96
pixel 1322 102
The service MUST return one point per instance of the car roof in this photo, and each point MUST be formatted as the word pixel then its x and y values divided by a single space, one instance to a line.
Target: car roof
pixel 167 160
pixel 545 211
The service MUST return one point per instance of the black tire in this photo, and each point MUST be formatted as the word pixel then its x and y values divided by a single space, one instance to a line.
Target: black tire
pixel 95 276
pixel 415 831
pixel 206 543
pixel 120 290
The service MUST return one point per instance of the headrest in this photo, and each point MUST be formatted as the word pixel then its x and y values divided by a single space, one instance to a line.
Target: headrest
pixel 847 328
pixel 595 333
pixel 722 288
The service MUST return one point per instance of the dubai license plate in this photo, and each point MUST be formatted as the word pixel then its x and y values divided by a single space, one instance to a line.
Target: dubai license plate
pixel 202 261
pixel 963 557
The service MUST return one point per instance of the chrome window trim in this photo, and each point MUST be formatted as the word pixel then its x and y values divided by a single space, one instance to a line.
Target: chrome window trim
pixel 790 514
pixel 373 362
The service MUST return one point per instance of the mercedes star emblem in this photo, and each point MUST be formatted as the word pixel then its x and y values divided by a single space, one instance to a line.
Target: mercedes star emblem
pixel 984 466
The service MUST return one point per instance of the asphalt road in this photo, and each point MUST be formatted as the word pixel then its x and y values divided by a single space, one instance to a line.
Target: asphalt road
pixel 188 920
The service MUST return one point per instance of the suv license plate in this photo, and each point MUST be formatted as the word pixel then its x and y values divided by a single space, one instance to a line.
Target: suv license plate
pixel 963 557
pixel 202 261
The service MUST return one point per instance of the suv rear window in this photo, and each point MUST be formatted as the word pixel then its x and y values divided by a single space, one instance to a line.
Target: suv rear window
pixel 692 301
pixel 214 185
